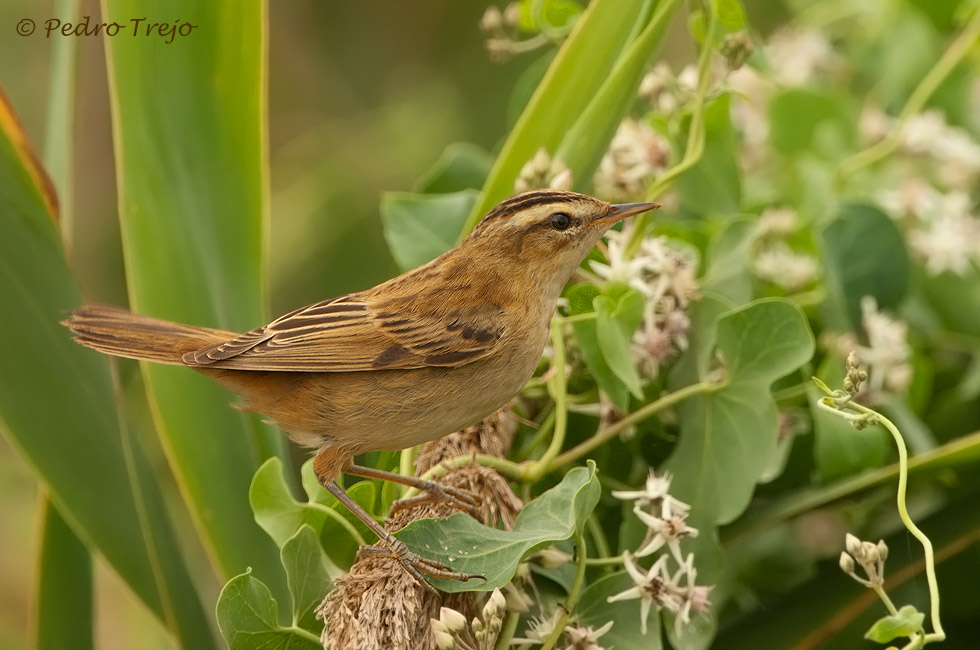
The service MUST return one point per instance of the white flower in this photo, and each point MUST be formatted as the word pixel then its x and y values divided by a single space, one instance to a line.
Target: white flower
pixel 957 153
pixel 658 587
pixel 796 56
pixel 580 637
pixel 779 264
pixel 751 95
pixel 636 155
pixel 777 221
pixel 874 124
pixel 648 587
pixel 668 529
pixel 665 277
pixel 887 353
pixel 540 629
pixel 947 243
pixel 655 493
pixel 915 197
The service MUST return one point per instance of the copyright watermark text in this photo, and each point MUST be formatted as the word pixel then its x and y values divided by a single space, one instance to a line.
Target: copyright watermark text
pixel 132 27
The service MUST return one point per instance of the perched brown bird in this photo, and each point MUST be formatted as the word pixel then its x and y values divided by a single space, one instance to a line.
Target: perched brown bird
pixel 427 353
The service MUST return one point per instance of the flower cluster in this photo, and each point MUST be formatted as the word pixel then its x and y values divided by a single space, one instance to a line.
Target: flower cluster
pixel 543 171
pixel 870 556
pixel 775 261
pixel 636 155
pixel 676 592
pixel 665 277
pixel 451 630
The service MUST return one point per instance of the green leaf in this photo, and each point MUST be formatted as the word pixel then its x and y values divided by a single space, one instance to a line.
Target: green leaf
pixel 580 298
pixel 728 257
pixel 469 547
pixel 586 142
pixel 728 437
pixel 98 475
pixel 616 320
pixel 421 227
pixel 190 148
pixel 730 14
pixel 282 516
pixel 907 622
pixel 864 255
pixel 593 610
pixel 581 67
pixel 63 613
pixel 248 618
pixel 714 185
pixel 588 342
pixel 306 575
pixel 806 121
pixel 462 166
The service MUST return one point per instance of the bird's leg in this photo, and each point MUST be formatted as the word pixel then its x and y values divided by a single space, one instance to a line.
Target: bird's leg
pixel 415 564
pixel 327 466
pixel 464 499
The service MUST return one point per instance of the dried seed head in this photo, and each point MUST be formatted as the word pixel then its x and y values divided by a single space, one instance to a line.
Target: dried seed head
pixel 737 48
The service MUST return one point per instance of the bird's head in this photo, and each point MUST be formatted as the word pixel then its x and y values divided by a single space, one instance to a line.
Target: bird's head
pixel 548 232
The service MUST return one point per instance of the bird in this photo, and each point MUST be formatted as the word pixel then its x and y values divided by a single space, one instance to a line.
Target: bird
pixel 422 355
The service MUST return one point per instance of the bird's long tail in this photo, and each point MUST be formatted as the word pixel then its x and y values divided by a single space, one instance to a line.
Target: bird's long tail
pixel 124 334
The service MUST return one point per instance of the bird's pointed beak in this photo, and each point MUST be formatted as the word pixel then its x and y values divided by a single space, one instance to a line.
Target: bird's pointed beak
pixel 618 212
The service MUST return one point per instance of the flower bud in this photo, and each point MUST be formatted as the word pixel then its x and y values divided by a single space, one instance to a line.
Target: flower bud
pixel 882 550
pixel 444 640
pixel 852 544
pixel 496 605
pixel 451 619
pixel 491 21
pixel 512 15
pixel 552 558
pixel 846 563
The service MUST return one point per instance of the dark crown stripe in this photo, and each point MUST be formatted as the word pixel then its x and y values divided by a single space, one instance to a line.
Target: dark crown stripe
pixel 527 200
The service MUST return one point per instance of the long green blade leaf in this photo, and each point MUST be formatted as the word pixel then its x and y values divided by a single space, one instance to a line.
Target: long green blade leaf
pixel 575 76
pixel 188 122
pixel 64 591
pixel 95 474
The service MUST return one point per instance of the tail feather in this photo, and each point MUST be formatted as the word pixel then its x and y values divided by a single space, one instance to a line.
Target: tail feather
pixel 121 333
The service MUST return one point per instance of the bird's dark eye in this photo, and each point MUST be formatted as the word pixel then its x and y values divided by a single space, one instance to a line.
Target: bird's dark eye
pixel 560 221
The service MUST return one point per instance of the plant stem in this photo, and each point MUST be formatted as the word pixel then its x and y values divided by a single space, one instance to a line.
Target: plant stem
pixel 534 470
pixel 694 148
pixel 606 434
pixel 507 631
pixel 573 594
pixel 957 50
pixel 598 535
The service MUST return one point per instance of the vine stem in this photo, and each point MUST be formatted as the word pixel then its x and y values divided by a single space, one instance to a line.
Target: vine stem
pixel 868 415
pixel 558 387
pixel 958 49
pixel 604 435
pixel 694 149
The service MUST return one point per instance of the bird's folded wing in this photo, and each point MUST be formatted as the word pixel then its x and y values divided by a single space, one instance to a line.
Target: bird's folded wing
pixel 354 333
